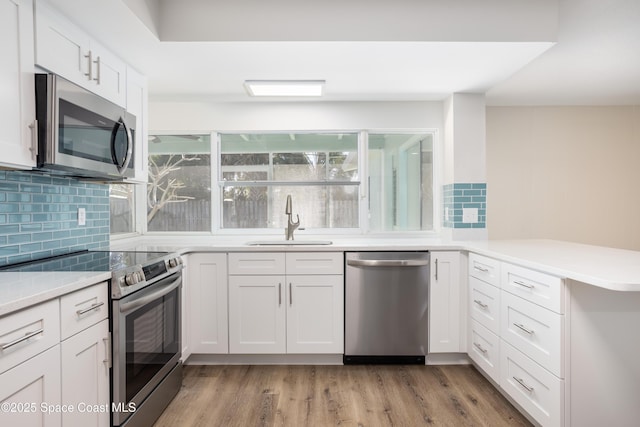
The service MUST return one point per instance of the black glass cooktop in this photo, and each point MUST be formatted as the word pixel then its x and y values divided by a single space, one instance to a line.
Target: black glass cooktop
pixel 87 261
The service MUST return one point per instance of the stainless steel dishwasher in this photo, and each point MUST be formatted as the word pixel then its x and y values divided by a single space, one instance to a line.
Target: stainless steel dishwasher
pixel 386 307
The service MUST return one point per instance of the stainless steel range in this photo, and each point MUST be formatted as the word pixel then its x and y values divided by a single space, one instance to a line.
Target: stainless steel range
pixel 145 321
pixel 146 333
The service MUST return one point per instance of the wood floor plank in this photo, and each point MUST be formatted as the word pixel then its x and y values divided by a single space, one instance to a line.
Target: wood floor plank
pixel 357 395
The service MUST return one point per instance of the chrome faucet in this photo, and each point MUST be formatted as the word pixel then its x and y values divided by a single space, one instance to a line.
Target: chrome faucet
pixel 291 226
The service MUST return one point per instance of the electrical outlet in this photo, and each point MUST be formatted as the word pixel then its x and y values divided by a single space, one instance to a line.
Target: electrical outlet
pixel 82 216
pixel 469 215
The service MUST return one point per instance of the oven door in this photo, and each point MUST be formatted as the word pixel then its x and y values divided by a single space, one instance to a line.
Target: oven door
pixel 146 343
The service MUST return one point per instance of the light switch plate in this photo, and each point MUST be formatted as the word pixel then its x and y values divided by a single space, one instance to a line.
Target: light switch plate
pixel 470 215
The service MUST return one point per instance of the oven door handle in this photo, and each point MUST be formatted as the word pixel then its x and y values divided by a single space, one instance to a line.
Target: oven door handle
pixel 147 298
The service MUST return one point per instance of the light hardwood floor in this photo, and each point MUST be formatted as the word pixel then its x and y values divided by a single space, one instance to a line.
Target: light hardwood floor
pixel 357 395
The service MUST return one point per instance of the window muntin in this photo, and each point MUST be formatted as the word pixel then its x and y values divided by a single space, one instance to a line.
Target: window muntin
pixel 319 171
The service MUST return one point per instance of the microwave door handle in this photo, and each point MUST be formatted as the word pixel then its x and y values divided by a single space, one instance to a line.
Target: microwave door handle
pixel 127 159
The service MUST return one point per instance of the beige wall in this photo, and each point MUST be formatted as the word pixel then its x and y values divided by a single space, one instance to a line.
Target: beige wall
pixel 567 173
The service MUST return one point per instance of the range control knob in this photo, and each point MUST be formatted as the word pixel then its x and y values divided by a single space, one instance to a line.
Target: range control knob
pixel 174 262
pixel 133 278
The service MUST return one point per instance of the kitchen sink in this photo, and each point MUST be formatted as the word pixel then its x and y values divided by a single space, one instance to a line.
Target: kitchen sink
pixel 289 243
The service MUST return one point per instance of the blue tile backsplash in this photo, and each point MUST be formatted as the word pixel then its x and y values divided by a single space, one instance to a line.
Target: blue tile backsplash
pixel 464 195
pixel 39 216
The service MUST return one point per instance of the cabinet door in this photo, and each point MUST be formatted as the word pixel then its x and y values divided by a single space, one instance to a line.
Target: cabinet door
pixel 28 386
pixel 315 314
pixel 17 103
pixel 257 314
pixel 61 47
pixel 109 75
pixel 85 376
pixel 137 104
pixel 207 282
pixel 445 324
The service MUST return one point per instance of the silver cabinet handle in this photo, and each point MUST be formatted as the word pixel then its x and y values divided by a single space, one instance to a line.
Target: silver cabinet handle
pixel 92 307
pixel 97 62
pixel 436 274
pixel 107 350
pixel 34 138
pixel 479 347
pixel 524 285
pixel 279 293
pixel 523 328
pixel 24 338
pixel 523 384
pixel 484 270
pixel 89 72
pixel 290 295
pixel 480 303
pixel 387 263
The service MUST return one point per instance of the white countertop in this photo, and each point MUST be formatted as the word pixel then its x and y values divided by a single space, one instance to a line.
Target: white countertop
pixel 21 290
pixel 608 268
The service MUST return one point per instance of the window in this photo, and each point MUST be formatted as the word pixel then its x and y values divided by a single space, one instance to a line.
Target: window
pixel 242 183
pixel 122 208
pixel 318 170
pixel 179 189
pixel 401 182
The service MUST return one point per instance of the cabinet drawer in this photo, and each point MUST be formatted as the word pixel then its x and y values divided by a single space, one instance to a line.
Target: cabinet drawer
pixel 83 308
pixel 485 269
pixel 258 263
pixel 534 330
pixel 484 304
pixel 539 392
pixel 315 263
pixel 28 332
pixel 540 288
pixel 484 349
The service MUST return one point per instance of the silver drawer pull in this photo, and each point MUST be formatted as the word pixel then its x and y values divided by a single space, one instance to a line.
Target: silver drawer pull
pixel 479 347
pixel 484 270
pixel 26 336
pixel 480 303
pixel 90 308
pixel 524 285
pixel 523 384
pixel 523 328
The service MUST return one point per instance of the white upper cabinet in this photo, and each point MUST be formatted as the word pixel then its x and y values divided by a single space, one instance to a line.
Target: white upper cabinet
pixel 137 104
pixel 66 50
pixel 17 100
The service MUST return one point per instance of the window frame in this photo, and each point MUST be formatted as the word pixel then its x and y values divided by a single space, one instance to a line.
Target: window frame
pixel 363 189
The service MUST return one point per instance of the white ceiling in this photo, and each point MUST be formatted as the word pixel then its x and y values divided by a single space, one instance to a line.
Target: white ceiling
pixel 596 59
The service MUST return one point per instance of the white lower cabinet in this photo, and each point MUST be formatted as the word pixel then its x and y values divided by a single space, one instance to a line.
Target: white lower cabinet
pixel 46 382
pixel 207 313
pixel 257 316
pixel 315 312
pixel 85 377
pixel 30 392
pixel 445 304
pixel 535 389
pixel 517 334
pixel 274 312
pixel 484 350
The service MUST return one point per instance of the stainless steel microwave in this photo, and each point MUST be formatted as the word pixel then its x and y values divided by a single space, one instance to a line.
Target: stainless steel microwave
pixel 82 134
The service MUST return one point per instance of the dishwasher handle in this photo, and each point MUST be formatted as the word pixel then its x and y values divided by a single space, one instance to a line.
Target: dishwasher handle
pixel 388 262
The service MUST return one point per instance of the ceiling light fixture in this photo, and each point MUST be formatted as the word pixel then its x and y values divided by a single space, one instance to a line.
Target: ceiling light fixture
pixel 284 87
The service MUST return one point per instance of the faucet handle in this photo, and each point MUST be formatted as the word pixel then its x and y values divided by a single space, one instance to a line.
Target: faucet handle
pixel 288 210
